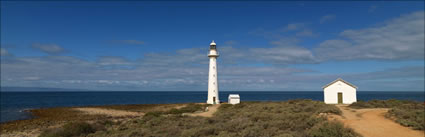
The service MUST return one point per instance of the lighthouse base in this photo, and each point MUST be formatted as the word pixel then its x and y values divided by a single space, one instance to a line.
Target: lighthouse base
pixel 213 101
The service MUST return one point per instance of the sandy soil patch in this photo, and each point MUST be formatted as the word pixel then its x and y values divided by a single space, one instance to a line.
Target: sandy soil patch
pixel 372 123
pixel 211 110
pixel 32 133
pixel 109 112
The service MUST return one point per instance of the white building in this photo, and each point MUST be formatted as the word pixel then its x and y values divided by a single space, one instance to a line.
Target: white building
pixel 212 76
pixel 234 99
pixel 339 92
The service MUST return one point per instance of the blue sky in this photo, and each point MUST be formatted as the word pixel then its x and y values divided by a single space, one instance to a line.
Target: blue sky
pixel 264 46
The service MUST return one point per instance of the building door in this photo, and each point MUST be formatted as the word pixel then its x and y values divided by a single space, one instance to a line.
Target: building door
pixel 339 98
pixel 214 100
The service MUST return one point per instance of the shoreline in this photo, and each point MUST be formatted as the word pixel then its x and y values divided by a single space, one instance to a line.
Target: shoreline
pixel 29 111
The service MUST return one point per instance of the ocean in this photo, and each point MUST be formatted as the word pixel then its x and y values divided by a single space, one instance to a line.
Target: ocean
pixel 14 104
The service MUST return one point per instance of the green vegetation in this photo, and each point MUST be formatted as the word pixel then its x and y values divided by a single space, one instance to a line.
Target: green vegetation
pixel 407 113
pixel 70 130
pixel 47 117
pixel 331 129
pixel 141 107
pixel 190 108
pixel 380 103
pixel 295 118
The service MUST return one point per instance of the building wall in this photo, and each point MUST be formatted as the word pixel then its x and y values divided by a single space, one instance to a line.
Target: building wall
pixel 234 101
pixel 348 93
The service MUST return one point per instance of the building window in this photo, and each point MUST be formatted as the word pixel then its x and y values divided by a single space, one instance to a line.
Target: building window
pixel 214 83
pixel 214 75
pixel 213 67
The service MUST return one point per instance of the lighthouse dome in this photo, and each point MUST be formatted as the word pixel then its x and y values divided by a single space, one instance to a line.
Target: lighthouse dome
pixel 212 43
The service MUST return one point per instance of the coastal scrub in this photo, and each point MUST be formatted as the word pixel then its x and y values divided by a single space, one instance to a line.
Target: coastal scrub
pixel 406 113
pixel 294 118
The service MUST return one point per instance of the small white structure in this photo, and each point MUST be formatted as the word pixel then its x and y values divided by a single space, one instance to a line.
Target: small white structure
pixel 212 76
pixel 339 92
pixel 234 99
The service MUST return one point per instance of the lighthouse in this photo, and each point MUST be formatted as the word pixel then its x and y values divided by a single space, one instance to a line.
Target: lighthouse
pixel 212 76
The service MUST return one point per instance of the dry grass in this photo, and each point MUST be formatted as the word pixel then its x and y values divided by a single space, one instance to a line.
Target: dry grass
pixel 295 118
pixel 48 117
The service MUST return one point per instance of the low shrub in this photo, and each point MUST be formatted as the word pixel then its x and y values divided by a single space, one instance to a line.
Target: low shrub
pixel 282 119
pixel 406 113
pixel 153 114
pixel 295 118
pixel 70 130
pixel 380 103
pixel 190 108
pixel 331 129
pixel 409 115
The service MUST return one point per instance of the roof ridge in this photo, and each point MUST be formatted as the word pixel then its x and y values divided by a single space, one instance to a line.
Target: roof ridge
pixel 340 79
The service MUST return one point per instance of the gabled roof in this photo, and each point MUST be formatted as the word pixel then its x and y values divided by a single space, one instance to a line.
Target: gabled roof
pixel 339 79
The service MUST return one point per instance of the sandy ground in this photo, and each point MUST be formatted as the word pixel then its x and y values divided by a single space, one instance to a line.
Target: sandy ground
pixel 372 123
pixel 109 112
pixel 211 110
pixel 32 133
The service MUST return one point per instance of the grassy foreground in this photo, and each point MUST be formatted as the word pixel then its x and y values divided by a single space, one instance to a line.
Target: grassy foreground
pixel 48 117
pixel 406 113
pixel 295 118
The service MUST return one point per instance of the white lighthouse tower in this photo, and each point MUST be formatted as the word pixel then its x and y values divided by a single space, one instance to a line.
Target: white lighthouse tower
pixel 212 76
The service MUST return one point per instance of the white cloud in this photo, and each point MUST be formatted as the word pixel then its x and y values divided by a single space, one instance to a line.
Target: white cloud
pixel 305 33
pixel 282 55
pixel 113 60
pixel 48 48
pixel 31 78
pixel 4 52
pixel 327 18
pixel 399 39
pixel 242 68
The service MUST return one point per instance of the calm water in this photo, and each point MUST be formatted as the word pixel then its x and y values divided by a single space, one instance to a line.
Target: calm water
pixel 13 104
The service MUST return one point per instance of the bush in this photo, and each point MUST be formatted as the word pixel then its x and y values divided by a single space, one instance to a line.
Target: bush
pixel 294 118
pixel 153 114
pixel 409 115
pixel 380 103
pixel 332 129
pixel 406 113
pixel 190 108
pixel 70 130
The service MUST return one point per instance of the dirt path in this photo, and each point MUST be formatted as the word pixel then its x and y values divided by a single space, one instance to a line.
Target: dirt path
pixel 109 112
pixel 372 123
pixel 211 110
